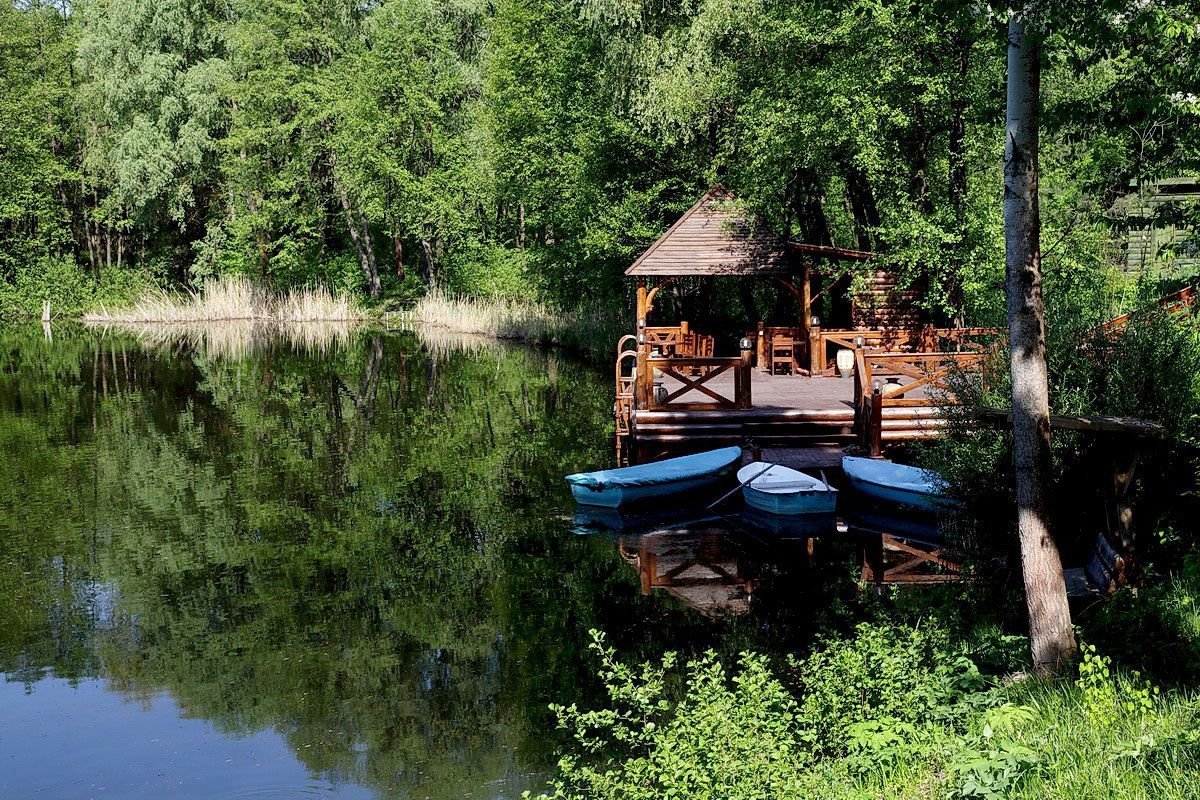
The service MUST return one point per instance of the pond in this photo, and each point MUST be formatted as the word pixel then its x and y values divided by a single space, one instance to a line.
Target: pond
pixel 235 564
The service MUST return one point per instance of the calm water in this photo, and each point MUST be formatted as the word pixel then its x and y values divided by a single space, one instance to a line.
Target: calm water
pixel 244 566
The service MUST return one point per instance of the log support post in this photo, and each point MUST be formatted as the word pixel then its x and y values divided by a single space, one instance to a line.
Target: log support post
pixel 876 424
pixel 816 351
pixel 742 381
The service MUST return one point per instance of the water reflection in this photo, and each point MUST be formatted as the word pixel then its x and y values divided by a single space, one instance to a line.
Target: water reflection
pixel 356 548
pixel 715 563
pixel 357 551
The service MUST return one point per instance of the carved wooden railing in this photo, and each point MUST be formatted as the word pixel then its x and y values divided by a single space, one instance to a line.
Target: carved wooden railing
pixel 625 381
pixel 921 340
pixel 694 374
pixel 911 372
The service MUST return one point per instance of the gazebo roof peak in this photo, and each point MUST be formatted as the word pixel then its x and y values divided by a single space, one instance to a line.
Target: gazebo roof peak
pixel 713 239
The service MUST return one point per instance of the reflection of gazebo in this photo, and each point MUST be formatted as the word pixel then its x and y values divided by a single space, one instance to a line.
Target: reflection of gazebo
pixel 674 391
pixel 694 568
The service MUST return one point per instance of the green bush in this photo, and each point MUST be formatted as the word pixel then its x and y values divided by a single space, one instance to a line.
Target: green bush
pixel 894 711
pixel 70 288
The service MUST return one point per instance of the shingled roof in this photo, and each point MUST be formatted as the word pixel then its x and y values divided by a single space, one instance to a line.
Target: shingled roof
pixel 712 239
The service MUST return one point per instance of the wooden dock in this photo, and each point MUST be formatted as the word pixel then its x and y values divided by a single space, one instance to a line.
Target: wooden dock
pixel 687 412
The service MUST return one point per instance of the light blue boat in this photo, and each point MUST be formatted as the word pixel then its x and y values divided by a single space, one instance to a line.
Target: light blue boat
pixel 898 483
pixel 615 487
pixel 776 489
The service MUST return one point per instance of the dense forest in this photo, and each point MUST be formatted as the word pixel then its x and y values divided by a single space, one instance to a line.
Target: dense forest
pixel 531 148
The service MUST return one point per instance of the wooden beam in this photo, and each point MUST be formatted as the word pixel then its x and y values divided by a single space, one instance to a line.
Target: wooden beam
pixel 1073 422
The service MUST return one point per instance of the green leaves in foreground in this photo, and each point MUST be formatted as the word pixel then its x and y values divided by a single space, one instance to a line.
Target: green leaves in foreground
pixel 894 711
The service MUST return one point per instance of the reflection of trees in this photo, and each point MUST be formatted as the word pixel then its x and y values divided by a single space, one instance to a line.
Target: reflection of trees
pixel 333 547
pixel 363 549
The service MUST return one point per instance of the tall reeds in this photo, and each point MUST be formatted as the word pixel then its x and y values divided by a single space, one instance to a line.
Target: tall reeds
pixel 590 330
pixel 232 299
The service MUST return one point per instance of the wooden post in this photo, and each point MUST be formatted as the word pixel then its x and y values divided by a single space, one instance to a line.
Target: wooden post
pixel 929 339
pixel 1118 505
pixel 876 424
pixel 642 309
pixel 643 385
pixel 742 382
pixel 805 296
pixel 816 351
pixel 760 343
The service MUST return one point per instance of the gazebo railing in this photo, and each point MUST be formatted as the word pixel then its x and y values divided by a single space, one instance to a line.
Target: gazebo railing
pixel 694 376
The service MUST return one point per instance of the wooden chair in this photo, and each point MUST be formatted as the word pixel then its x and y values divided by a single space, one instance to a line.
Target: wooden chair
pixel 783 354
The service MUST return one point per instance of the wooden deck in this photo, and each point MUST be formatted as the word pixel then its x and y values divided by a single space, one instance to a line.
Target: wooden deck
pixel 796 413
pixel 773 393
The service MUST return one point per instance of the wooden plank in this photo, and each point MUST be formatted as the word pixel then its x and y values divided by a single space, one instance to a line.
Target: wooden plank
pixel 1098 424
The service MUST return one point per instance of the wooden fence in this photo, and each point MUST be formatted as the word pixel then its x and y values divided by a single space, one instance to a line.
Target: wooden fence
pixel 921 340
pixel 927 374
pixel 693 374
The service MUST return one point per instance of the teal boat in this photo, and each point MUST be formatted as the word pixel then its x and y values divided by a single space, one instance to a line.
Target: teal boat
pixel 616 487
pixel 776 489
pixel 898 483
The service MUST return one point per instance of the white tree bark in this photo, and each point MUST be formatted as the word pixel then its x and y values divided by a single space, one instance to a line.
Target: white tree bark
pixel 1051 637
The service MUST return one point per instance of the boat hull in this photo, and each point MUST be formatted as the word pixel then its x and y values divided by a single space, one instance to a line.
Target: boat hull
pixel 897 484
pixel 903 497
pixel 616 496
pixel 672 476
pixel 791 504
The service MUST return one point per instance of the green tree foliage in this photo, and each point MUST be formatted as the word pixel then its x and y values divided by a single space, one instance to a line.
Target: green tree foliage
pixel 153 110
pixel 534 148
pixel 36 149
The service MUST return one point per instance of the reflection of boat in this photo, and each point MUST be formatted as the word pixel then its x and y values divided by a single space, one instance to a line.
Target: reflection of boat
pixel 599 519
pixel 615 487
pixel 897 483
pixel 922 527
pixel 801 526
pixel 783 490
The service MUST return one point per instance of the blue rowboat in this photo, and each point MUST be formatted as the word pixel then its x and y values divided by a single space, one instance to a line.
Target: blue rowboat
pixel 898 483
pixel 615 487
pixel 785 491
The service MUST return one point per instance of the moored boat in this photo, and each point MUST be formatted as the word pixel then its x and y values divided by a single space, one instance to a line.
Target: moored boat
pixel 777 489
pixel 671 476
pixel 898 483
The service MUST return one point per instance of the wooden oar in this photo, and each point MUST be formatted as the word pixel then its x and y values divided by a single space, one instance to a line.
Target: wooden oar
pixel 731 492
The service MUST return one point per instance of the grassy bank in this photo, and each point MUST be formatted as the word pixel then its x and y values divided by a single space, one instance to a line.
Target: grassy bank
pixel 891 711
pixel 591 331
pixel 232 299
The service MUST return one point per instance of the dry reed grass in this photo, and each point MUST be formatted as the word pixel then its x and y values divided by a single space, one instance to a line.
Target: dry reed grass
pixel 232 299
pixel 587 330
pixel 237 338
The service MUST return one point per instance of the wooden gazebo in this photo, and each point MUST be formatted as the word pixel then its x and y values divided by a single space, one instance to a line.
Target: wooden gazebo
pixel 713 239
pixel 673 392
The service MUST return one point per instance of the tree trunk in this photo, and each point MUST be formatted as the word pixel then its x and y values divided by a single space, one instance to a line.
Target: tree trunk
pixel 398 255
pixel 1051 637
pixel 957 178
pixel 362 243
pixel 863 211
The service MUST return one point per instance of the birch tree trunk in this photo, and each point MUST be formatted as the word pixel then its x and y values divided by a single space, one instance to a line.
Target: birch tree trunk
pixel 1051 638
